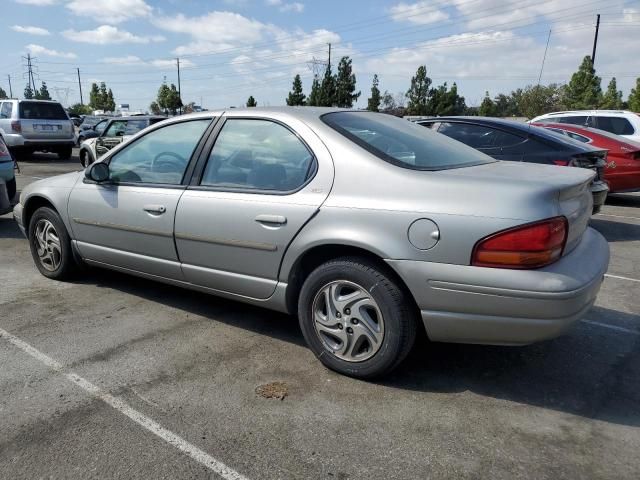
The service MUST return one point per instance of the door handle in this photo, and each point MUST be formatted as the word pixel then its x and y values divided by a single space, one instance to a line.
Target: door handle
pixel 271 219
pixel 154 208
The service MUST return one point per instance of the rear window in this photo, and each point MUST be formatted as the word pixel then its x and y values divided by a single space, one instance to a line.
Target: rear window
pixel 617 125
pixel 42 111
pixel 134 126
pixel 403 143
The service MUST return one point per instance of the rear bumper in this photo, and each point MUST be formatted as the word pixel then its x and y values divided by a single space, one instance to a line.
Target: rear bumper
pixel 18 141
pixel 461 303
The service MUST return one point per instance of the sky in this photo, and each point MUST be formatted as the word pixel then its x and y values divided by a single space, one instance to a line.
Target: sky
pixel 230 49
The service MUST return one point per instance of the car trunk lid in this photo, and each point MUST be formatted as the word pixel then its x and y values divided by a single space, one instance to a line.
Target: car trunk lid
pixel 44 120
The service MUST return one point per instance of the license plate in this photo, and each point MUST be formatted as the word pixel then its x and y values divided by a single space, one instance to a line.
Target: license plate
pixel 47 128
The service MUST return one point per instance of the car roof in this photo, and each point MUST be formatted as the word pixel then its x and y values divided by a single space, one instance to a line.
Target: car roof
pixel 138 117
pixel 586 131
pixel 588 112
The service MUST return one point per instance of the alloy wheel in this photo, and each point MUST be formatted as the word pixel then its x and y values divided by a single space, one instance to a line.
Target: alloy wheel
pixel 348 321
pixel 48 245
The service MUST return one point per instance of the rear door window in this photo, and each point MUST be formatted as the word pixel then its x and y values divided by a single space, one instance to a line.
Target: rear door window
pixel 116 129
pixel 617 125
pixel 42 111
pixel 573 120
pixel 134 126
pixel 476 136
pixel 5 110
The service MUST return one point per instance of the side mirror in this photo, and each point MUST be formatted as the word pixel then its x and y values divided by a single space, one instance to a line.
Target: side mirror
pixel 97 172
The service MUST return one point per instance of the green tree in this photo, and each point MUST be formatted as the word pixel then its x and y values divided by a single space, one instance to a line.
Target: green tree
pixel 155 108
pixel 327 94
pixel 584 90
pixel 296 97
pixel 634 98
pixel 612 98
pixel 163 98
pixel 418 94
pixel 28 92
pixel 110 104
pixel 3 94
pixel 251 102
pixel 43 93
pixel 535 100
pixel 314 97
pixel 103 97
pixel 507 105
pixel 345 83
pixel 94 97
pixel 442 101
pixel 487 107
pixel 80 109
pixel 175 102
pixel 373 102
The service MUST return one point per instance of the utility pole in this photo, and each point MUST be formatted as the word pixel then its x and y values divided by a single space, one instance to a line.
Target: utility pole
pixel 30 70
pixel 179 90
pixel 80 86
pixel 10 89
pixel 595 43
pixel 329 64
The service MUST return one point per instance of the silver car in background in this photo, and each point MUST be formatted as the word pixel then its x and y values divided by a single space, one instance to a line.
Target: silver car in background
pixel 28 126
pixel 366 226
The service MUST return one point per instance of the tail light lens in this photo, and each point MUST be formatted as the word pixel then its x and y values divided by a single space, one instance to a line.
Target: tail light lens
pixel 533 245
pixel 561 163
pixel 16 127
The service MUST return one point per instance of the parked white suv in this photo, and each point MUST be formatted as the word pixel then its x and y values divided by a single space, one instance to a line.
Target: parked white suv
pixel 36 125
pixel 621 122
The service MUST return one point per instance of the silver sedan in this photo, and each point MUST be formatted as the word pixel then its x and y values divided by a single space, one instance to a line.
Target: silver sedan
pixel 366 226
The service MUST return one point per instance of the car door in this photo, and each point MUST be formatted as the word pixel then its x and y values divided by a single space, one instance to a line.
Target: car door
pixel 128 221
pixel 262 180
pixel 112 136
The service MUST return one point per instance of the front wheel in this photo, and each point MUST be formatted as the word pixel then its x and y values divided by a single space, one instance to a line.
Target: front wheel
pixel 85 158
pixel 50 244
pixel 355 318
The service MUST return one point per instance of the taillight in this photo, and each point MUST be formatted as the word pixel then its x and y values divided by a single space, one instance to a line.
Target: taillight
pixel 561 163
pixel 16 127
pixel 533 245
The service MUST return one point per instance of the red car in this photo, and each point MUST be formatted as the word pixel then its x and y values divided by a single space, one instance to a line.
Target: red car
pixel 622 171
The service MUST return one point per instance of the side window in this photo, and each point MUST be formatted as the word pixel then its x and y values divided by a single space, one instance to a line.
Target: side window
pixel 5 109
pixel 475 136
pixel 101 126
pixel 432 125
pixel 116 128
pixel 134 126
pixel 504 139
pixel 257 155
pixel 617 125
pixel 160 156
pixel 575 120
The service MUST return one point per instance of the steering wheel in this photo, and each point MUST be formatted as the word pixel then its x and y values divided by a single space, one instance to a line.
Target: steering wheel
pixel 176 161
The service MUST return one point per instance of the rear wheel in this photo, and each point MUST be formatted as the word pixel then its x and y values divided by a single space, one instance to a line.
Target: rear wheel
pixel 85 158
pixel 65 153
pixel 50 244
pixel 355 318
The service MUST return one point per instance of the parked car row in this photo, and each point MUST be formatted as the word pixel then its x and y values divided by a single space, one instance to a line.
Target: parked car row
pixel 366 226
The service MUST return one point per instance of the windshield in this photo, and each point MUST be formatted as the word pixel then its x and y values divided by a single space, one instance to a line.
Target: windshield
pixel 42 111
pixel 403 143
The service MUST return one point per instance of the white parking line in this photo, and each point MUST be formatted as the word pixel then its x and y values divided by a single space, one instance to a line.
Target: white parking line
pixel 117 403
pixel 617 216
pixel 612 327
pixel 622 278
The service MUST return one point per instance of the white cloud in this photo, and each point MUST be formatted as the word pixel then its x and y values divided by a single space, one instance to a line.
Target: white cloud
pixel 215 27
pixel 296 7
pixel 108 34
pixel 40 3
pixel 40 50
pixel 30 30
pixel 421 13
pixel 110 11
pixel 135 60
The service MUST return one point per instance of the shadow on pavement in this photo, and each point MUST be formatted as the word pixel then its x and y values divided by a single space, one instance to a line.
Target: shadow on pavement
pixel 591 372
pixel 9 228
pixel 622 200
pixel 616 231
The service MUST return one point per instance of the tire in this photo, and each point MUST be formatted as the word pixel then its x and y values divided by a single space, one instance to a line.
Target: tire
pixel 11 188
pixel 385 311
pixel 83 158
pixel 46 224
pixel 22 154
pixel 65 153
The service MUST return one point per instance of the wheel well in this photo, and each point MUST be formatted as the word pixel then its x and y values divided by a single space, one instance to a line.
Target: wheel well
pixel 316 256
pixel 32 205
